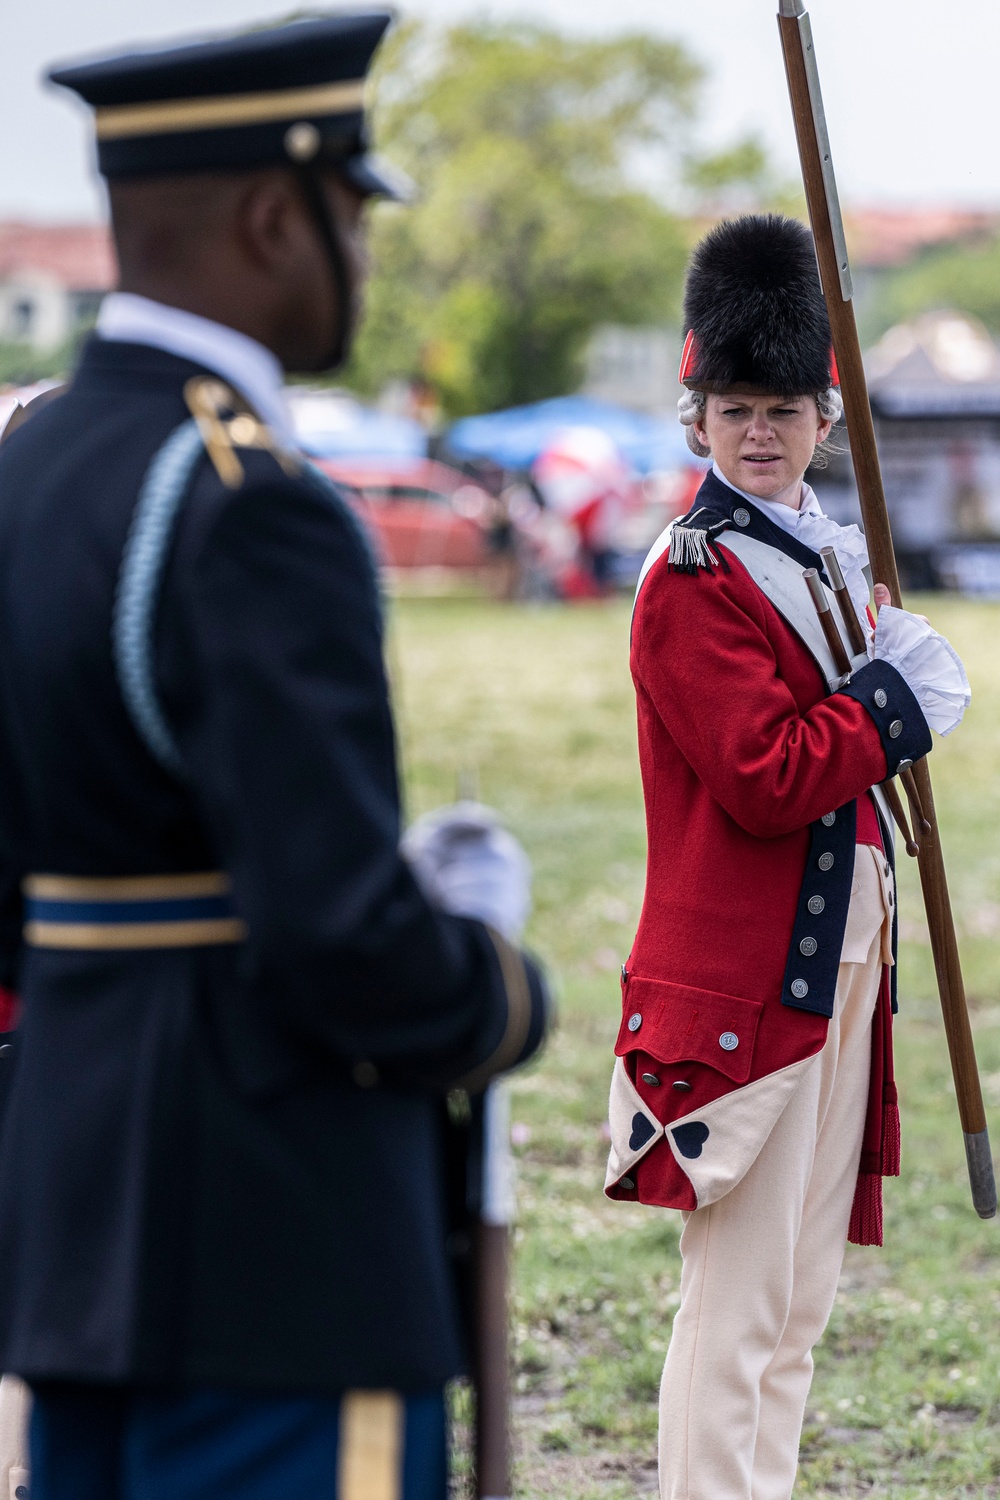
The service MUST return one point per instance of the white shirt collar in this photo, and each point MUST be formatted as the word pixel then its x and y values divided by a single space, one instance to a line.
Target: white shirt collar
pixel 783 515
pixel 239 359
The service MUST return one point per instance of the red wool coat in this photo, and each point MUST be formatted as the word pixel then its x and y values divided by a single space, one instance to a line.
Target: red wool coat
pixel 742 747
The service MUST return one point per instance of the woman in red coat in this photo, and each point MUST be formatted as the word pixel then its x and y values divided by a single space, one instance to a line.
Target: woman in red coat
pixel 753 1084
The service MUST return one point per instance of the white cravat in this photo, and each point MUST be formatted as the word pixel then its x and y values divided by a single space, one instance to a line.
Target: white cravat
pixel 239 359
pixel 810 526
pixel 932 668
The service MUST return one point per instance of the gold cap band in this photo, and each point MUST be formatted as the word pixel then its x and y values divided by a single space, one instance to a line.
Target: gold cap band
pixel 167 116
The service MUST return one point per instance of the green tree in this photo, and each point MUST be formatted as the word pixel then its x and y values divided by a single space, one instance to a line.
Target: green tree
pixel 965 276
pixel 529 229
pixel 20 364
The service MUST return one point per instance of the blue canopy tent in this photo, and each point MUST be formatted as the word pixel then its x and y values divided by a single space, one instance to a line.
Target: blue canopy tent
pixel 515 438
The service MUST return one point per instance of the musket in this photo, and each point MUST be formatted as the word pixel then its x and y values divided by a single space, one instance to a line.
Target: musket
pixel 842 662
pixel 491 1311
pixel 859 646
pixel 835 274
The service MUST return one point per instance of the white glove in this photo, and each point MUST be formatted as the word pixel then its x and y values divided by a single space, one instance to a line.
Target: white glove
pixel 468 864
pixel 929 664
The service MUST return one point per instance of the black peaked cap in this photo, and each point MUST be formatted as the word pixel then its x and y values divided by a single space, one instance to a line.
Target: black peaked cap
pixel 754 304
pixel 285 94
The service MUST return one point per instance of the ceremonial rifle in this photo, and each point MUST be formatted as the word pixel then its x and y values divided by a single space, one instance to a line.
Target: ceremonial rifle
pixel 835 274
pixel 491 1251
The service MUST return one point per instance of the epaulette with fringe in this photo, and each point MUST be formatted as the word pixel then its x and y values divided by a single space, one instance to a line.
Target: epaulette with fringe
pixel 691 546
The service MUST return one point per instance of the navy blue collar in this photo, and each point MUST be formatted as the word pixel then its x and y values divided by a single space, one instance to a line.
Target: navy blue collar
pixel 717 502
pixel 111 361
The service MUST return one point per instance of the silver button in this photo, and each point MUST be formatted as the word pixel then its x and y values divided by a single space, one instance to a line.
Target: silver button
pixel 681 1086
pixel 881 697
pixel 904 765
pixel 808 946
pixel 627 1184
pixel 895 729
pixel 799 989
pixel 825 861
pixel 651 1079
pixel 302 141
pixel 729 1041
pixel 816 904
pixel 828 819
pixel 741 516
pixel 634 1022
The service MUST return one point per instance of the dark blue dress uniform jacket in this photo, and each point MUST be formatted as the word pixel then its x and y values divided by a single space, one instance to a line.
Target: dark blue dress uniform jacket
pixel 193 1185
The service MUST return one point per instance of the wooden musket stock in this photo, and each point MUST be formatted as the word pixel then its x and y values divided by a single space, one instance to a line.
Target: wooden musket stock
pixel 824 613
pixel 492 1363
pixel 855 635
pixel 858 646
pixel 842 662
pixel 824 213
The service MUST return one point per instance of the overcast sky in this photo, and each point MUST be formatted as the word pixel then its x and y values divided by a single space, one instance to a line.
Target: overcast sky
pixel 911 86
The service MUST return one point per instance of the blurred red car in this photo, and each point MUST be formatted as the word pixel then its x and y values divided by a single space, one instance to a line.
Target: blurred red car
pixel 420 513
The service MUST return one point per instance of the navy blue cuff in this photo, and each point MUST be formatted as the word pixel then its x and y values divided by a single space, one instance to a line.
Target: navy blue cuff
pixel 903 730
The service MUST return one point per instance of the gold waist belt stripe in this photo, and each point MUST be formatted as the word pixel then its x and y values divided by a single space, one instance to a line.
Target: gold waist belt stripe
pixel 130 911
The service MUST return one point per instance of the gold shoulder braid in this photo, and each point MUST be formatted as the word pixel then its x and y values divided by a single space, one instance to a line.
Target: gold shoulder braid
pixel 691 546
pixel 226 422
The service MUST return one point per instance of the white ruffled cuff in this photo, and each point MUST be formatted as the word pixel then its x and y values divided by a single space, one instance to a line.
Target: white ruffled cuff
pixel 930 665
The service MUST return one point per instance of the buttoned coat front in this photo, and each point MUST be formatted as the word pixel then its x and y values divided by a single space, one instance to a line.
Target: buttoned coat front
pixel 751 769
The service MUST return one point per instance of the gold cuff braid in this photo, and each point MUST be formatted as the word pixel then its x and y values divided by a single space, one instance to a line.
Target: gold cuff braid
pixel 515 978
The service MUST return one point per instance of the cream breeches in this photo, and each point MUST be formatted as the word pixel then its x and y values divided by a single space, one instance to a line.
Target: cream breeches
pixel 760 1266
pixel 15 1409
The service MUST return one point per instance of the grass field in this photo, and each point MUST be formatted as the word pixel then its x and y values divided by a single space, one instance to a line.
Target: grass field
pixel 534 706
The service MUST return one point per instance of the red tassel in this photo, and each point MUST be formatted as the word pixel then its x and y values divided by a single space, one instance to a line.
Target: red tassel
pixel 866 1211
pixel 890 1132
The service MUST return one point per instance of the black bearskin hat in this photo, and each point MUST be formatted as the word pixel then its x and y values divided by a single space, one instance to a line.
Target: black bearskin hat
pixel 754 310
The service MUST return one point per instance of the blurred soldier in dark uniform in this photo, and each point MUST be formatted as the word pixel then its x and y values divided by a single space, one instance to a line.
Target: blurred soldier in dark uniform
pixel 223 1228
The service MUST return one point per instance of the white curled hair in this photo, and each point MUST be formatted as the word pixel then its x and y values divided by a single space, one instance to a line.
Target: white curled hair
pixel 691 409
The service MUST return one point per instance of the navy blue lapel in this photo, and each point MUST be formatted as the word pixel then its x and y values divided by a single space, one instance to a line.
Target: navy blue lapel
pixel 717 502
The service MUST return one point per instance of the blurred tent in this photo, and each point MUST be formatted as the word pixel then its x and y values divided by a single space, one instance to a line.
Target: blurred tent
pixel 516 438
pixel 935 392
pixel 333 425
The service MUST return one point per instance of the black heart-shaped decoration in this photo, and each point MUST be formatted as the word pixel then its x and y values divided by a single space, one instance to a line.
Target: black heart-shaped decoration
pixel 690 1138
pixel 642 1131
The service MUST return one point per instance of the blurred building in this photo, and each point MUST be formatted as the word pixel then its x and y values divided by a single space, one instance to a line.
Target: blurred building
pixel 634 367
pixel 52 279
pixel 935 391
pixel 889 237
